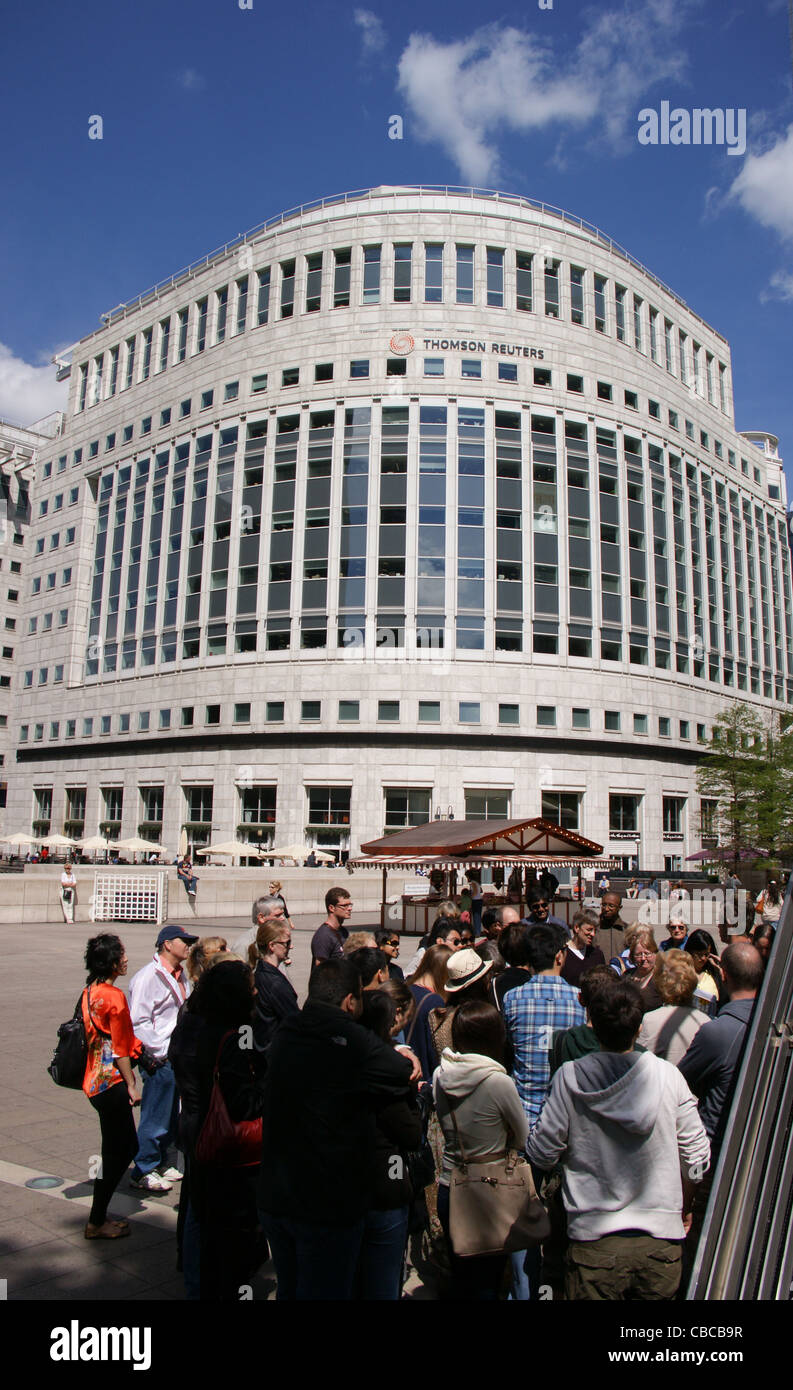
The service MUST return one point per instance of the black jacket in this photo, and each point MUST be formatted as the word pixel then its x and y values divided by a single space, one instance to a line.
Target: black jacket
pixel 275 1000
pixel 327 1078
pixel 712 1062
pixel 193 1052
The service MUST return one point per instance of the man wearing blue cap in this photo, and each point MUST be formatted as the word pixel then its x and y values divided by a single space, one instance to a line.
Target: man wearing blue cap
pixel 156 994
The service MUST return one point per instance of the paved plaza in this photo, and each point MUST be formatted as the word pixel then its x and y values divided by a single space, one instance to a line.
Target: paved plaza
pixel 46 1131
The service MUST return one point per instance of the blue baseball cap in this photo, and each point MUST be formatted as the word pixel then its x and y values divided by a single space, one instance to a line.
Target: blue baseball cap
pixel 172 933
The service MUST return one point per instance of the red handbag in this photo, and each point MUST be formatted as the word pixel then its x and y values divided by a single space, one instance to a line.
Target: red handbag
pixel 223 1143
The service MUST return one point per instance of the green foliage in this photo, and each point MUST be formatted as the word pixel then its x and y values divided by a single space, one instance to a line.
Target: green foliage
pixel 748 770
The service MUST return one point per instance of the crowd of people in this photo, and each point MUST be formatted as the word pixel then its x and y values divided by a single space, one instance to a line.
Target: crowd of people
pixel 341 1136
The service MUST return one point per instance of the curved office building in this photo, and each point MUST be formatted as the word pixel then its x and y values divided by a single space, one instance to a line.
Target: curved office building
pixel 412 501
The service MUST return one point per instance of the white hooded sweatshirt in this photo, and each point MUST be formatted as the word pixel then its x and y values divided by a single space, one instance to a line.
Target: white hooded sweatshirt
pixel 486 1106
pixel 623 1126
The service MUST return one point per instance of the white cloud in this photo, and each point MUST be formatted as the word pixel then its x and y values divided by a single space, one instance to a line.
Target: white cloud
pixel 373 34
pixel 28 393
pixel 191 80
pixel 464 94
pixel 780 286
pixel 764 187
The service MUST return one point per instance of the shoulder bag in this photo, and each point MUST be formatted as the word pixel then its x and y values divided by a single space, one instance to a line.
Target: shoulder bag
pixel 70 1057
pixel 493 1206
pixel 224 1143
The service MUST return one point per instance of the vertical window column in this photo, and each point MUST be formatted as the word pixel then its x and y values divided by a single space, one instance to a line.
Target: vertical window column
pixel 470 605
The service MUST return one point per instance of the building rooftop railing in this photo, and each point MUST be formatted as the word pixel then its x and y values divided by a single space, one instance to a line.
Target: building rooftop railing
pixel 394 192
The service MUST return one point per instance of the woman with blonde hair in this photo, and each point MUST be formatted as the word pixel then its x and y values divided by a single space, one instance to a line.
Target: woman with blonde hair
pixel 200 954
pixel 642 956
pixel 668 1031
pixel 276 998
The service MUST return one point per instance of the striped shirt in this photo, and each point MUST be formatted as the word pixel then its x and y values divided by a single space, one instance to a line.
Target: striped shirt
pixel 532 1013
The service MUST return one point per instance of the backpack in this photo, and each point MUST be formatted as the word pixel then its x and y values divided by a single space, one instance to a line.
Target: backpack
pixel 70 1057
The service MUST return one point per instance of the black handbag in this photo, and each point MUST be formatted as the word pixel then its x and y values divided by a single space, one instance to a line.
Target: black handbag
pixel 70 1057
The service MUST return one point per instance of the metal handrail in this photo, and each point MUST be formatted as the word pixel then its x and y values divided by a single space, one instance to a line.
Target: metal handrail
pixel 394 192
pixel 746 1246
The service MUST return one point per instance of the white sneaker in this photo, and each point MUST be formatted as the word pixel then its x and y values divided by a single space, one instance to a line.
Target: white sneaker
pixel 170 1175
pixel 151 1182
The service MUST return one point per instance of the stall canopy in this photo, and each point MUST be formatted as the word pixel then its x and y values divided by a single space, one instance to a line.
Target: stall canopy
pixel 469 844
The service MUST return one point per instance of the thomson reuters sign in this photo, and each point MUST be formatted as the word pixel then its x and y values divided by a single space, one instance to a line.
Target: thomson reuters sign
pixel 402 344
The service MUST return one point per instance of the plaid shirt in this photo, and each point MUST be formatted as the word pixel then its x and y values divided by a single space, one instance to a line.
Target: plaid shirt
pixel 532 1013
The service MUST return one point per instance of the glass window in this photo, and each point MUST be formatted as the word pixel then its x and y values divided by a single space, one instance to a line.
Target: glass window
pixel 263 296
pixel 561 808
pixel 576 294
pixel 310 709
pixel 313 282
pixel 231 391
pixel 387 709
pixel 546 716
pixel 371 274
pixel 471 368
pixel 523 281
pixel 341 278
pixel 323 371
pixel 611 720
pixel 469 712
pixel 433 273
pixel 242 713
pixel 349 710
pixel 429 712
pixel 507 371
pixel 403 267
pixel 495 277
pixel 624 813
pixel 600 304
pixel 212 714
pixel 509 714
pixel 619 312
pixel 580 718
pixel 465 274
pixel 259 383
pixel 640 724
pixel 359 367
pixel 664 727
pixel 274 711
pixel 287 289
pixel 202 311
pixel 433 366
pixel 673 814
pixel 551 288
pixel 187 716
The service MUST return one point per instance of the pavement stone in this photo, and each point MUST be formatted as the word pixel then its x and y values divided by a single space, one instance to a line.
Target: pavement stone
pixel 47 1130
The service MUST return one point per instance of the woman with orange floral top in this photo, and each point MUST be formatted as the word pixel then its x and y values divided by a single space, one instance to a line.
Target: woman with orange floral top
pixel 109 1083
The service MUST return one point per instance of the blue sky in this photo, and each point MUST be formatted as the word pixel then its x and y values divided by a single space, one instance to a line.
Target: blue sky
pixel 216 117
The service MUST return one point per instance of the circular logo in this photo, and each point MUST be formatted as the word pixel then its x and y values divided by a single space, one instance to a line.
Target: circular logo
pixel 402 344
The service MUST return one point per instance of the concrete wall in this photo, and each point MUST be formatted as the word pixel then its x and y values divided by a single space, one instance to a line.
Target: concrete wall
pixel 34 895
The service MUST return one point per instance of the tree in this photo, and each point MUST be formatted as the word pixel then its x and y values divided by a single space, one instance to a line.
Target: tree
pixel 730 774
pixel 748 771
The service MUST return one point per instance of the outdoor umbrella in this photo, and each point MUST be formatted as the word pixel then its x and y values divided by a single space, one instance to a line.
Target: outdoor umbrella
pixel 19 838
pixel 296 852
pixel 138 846
pixel 235 847
pixel 57 842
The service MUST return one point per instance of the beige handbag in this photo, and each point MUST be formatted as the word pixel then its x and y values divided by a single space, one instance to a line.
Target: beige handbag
pixel 493 1206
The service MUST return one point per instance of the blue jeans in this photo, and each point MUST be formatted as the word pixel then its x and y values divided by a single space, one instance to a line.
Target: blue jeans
pixel 382 1254
pixel 313 1263
pixel 157 1124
